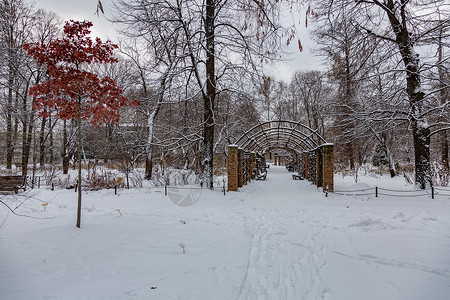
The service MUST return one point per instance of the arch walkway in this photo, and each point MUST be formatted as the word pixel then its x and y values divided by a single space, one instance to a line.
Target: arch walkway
pixel 284 142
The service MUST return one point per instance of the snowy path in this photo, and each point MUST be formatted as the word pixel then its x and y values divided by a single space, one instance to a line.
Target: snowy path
pixel 274 239
pixel 270 273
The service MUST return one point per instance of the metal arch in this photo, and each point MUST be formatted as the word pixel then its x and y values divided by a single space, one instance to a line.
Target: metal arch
pixel 281 146
pixel 285 131
pixel 282 143
pixel 295 125
pixel 289 150
pixel 302 137
pixel 283 139
pixel 270 131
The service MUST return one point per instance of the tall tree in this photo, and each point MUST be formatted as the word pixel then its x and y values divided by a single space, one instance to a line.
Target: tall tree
pixel 72 92
pixel 347 52
pixel 213 44
pixel 402 15
pixel 15 18
pixel 399 26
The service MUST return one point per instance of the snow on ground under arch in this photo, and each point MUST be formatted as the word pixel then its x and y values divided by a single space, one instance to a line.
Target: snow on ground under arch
pixel 275 239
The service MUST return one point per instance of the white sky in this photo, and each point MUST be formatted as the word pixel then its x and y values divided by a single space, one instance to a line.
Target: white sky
pixel 85 10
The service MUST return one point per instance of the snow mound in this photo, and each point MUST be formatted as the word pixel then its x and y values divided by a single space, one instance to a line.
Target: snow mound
pixel 359 186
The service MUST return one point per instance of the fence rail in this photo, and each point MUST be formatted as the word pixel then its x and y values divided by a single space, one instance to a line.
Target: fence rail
pixel 377 191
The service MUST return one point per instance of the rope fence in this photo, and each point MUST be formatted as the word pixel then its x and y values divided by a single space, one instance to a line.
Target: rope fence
pixel 378 191
pixel 167 187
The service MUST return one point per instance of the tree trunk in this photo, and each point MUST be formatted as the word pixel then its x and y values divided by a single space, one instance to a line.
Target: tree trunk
pixel 421 137
pixel 52 158
pixel 348 94
pixel 149 147
pixel 34 158
pixel 9 131
pixel 443 97
pixel 208 98
pixel 421 131
pixel 42 142
pixel 420 128
pixel 79 165
pixel 444 151
pixel 27 133
pixel 65 155
pixel 148 168
pixel 392 168
pixel 150 124
pixel 27 148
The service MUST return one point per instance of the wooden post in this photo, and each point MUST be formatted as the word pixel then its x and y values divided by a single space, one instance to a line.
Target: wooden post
pixel 376 191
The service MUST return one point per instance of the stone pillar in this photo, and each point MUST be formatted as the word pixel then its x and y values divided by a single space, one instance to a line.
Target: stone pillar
pixel 306 165
pixel 232 168
pixel 252 164
pixel 240 168
pixel 328 167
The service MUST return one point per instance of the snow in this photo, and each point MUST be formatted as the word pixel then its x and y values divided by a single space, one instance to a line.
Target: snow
pixel 273 239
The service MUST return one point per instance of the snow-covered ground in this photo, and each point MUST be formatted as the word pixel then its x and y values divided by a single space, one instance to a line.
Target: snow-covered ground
pixel 274 239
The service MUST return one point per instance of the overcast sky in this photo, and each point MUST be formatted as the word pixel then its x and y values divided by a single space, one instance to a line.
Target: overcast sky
pixel 85 10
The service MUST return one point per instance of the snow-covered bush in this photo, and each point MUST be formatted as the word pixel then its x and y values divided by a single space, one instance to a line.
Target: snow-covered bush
pixel 441 176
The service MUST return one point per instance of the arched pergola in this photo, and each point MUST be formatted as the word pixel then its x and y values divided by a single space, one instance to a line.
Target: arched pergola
pixel 313 154
pixel 280 133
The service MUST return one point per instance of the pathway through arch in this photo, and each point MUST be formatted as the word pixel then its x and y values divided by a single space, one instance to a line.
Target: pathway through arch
pixel 287 257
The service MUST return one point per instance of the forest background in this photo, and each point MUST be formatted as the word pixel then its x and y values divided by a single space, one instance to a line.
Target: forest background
pixel 203 73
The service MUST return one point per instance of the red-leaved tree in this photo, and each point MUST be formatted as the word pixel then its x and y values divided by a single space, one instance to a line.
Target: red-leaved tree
pixel 72 92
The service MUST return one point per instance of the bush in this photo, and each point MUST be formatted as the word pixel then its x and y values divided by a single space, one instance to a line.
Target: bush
pixel 441 176
pixel 100 180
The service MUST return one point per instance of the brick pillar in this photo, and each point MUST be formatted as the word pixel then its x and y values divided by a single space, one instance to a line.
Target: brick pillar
pixel 319 167
pixel 240 168
pixel 247 167
pixel 263 161
pixel 252 164
pixel 328 167
pixel 306 165
pixel 232 168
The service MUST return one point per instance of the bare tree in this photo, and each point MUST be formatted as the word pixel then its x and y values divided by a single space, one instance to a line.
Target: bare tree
pixel 209 43
pixel 398 27
pixel 15 18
